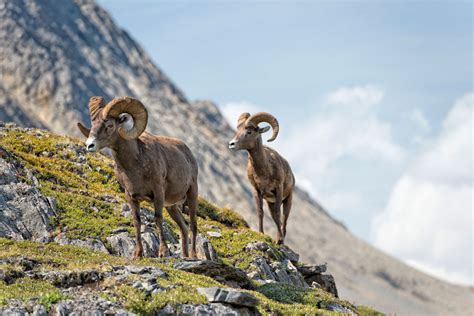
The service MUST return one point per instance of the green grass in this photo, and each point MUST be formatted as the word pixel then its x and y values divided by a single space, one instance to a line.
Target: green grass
pixel 25 289
pixel 222 215
pixel 139 302
pixel 289 294
pixel 368 311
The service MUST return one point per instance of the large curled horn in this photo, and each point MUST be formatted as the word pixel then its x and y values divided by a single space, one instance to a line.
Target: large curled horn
pixel 96 105
pixel 133 107
pixel 259 117
pixel 242 119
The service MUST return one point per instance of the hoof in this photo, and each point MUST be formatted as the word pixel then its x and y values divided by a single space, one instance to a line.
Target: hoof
pixel 164 253
pixel 193 255
pixel 137 255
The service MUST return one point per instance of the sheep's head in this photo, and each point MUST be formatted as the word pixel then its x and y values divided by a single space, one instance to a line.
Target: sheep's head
pixel 249 133
pixel 122 117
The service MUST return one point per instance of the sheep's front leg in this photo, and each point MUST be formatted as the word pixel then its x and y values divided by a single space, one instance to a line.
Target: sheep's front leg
pixel 259 202
pixel 275 211
pixel 158 202
pixel 137 223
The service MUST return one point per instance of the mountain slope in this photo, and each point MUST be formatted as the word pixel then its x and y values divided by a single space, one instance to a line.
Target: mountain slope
pixel 53 58
pixel 52 189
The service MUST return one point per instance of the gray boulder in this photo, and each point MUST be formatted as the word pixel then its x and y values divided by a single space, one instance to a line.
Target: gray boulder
pixel 92 243
pixel 214 309
pixel 25 212
pixel 326 281
pixel 277 271
pixel 221 272
pixel 289 254
pixel 204 249
pixel 230 296
pixel 122 244
pixel 315 276
pixel 263 247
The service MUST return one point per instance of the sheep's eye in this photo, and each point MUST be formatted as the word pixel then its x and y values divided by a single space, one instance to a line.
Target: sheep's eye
pixel 108 126
pixel 249 131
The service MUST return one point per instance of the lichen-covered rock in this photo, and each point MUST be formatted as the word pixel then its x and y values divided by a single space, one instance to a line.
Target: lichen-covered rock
pixel 214 309
pixel 315 274
pixel 92 243
pixel 204 249
pixel 221 272
pixel 277 271
pixel 326 281
pixel 289 253
pixel 263 247
pixel 67 278
pixel 122 244
pixel 229 296
pixel 307 270
pixel 25 212
pixel 39 310
pixel 340 309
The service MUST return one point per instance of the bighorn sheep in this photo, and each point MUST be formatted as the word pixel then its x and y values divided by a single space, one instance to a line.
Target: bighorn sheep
pixel 160 169
pixel 268 172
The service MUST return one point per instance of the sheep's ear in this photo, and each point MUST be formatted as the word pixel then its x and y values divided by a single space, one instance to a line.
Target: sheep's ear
pixel 263 129
pixel 126 121
pixel 84 130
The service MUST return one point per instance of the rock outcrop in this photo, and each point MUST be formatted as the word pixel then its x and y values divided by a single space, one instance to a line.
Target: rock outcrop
pixel 25 212
pixel 81 261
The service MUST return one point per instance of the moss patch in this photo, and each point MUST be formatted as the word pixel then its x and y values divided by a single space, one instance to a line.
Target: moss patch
pixel 368 311
pixel 222 215
pixel 143 304
pixel 25 289
pixel 290 294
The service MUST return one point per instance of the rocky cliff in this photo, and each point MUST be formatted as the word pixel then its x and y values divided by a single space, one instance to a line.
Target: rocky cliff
pixel 53 58
pixel 52 190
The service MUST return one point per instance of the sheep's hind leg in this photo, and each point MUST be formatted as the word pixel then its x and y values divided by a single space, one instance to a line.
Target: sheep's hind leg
pixel 163 251
pixel 192 201
pixel 275 211
pixel 135 206
pixel 286 212
pixel 176 215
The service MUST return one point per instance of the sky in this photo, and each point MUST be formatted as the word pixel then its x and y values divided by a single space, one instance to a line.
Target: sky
pixel 375 102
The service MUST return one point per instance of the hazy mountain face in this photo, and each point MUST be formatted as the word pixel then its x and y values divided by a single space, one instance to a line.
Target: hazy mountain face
pixel 53 57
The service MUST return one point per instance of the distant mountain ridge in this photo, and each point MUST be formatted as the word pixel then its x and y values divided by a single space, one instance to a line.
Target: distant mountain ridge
pixel 54 57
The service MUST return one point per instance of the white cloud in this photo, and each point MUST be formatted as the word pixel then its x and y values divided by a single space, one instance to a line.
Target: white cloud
pixel 232 110
pixel 351 130
pixel 428 219
pixel 327 149
pixel 420 120
pixel 363 97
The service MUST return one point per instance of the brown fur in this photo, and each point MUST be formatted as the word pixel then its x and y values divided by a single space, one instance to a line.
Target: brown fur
pixel 269 173
pixel 159 169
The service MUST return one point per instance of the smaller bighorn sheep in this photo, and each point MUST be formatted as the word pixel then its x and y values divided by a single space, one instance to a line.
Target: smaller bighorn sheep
pixel 159 169
pixel 268 172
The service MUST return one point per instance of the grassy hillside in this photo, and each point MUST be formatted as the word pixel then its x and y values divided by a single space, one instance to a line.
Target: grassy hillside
pixel 90 200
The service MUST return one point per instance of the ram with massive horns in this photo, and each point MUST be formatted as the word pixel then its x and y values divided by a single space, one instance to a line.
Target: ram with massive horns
pixel 269 173
pixel 159 169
